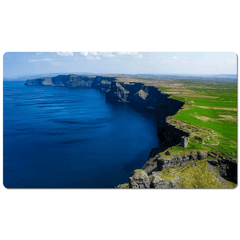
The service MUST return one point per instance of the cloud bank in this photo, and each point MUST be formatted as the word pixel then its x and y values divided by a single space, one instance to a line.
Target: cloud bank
pixel 65 54
pixel 98 55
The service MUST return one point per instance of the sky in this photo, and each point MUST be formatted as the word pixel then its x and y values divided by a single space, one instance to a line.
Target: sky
pixel 30 63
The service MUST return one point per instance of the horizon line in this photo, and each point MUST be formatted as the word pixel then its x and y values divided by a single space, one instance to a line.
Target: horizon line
pixel 89 73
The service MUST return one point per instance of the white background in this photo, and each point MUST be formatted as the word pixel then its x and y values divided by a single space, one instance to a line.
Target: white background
pixel 119 26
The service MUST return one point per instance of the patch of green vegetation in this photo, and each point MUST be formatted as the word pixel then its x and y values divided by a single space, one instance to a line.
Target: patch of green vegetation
pixel 210 112
pixel 164 89
pixel 124 185
pixel 191 146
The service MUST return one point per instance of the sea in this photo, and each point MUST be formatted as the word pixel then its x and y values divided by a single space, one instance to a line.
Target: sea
pixel 71 137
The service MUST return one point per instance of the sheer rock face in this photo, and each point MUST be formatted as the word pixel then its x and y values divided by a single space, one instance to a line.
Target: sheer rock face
pixel 227 168
pixel 146 96
pixel 139 179
pixel 73 81
pixel 179 159
pixel 159 162
pixel 34 82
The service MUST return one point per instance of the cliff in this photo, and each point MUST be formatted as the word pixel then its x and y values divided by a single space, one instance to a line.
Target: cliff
pixel 161 104
pixel 166 168
pixel 73 81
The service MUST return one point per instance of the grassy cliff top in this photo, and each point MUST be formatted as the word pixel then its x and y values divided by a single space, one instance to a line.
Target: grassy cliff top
pixel 209 114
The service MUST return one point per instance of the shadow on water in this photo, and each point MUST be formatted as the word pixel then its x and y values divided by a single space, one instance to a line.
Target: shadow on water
pixel 144 154
pixel 140 159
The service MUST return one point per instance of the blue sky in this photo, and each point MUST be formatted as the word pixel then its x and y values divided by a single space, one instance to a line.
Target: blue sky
pixel 20 63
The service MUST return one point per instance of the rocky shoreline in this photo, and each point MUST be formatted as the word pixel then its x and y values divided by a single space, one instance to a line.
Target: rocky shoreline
pixel 169 134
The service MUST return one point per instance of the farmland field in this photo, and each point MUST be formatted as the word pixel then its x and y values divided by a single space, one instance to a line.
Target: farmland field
pixel 209 114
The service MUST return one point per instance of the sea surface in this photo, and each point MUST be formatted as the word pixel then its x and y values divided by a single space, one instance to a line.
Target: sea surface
pixel 71 138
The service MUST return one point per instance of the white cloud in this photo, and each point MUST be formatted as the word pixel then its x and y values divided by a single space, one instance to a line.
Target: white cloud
pixel 39 53
pixel 175 57
pixel 103 54
pixel 97 55
pixel 107 54
pixel 65 54
pixel 124 53
pixel 91 55
pixel 135 54
pixel 40 60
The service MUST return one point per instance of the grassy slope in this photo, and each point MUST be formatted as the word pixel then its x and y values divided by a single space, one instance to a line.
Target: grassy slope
pixel 196 174
pixel 209 106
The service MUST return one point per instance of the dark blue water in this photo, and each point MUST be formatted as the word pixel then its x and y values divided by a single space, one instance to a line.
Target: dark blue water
pixel 71 138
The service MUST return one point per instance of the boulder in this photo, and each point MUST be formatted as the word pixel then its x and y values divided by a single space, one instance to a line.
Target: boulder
pixel 157 181
pixel 139 179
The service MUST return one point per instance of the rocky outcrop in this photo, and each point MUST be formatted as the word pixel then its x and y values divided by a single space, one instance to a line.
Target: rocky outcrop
pixel 139 179
pixel 159 162
pixel 226 168
pixel 222 165
pixel 35 82
pixel 178 159
pixel 157 181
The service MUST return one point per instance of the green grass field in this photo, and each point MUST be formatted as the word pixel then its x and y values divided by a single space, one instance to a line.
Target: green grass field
pixel 209 114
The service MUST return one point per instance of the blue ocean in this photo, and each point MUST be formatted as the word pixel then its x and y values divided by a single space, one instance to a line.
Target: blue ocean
pixel 71 138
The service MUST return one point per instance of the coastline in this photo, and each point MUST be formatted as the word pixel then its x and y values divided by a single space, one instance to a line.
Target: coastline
pixel 171 132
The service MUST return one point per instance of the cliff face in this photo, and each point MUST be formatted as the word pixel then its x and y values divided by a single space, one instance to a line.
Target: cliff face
pixel 161 161
pixel 73 81
pixel 150 97
pixel 146 96
pixel 163 169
